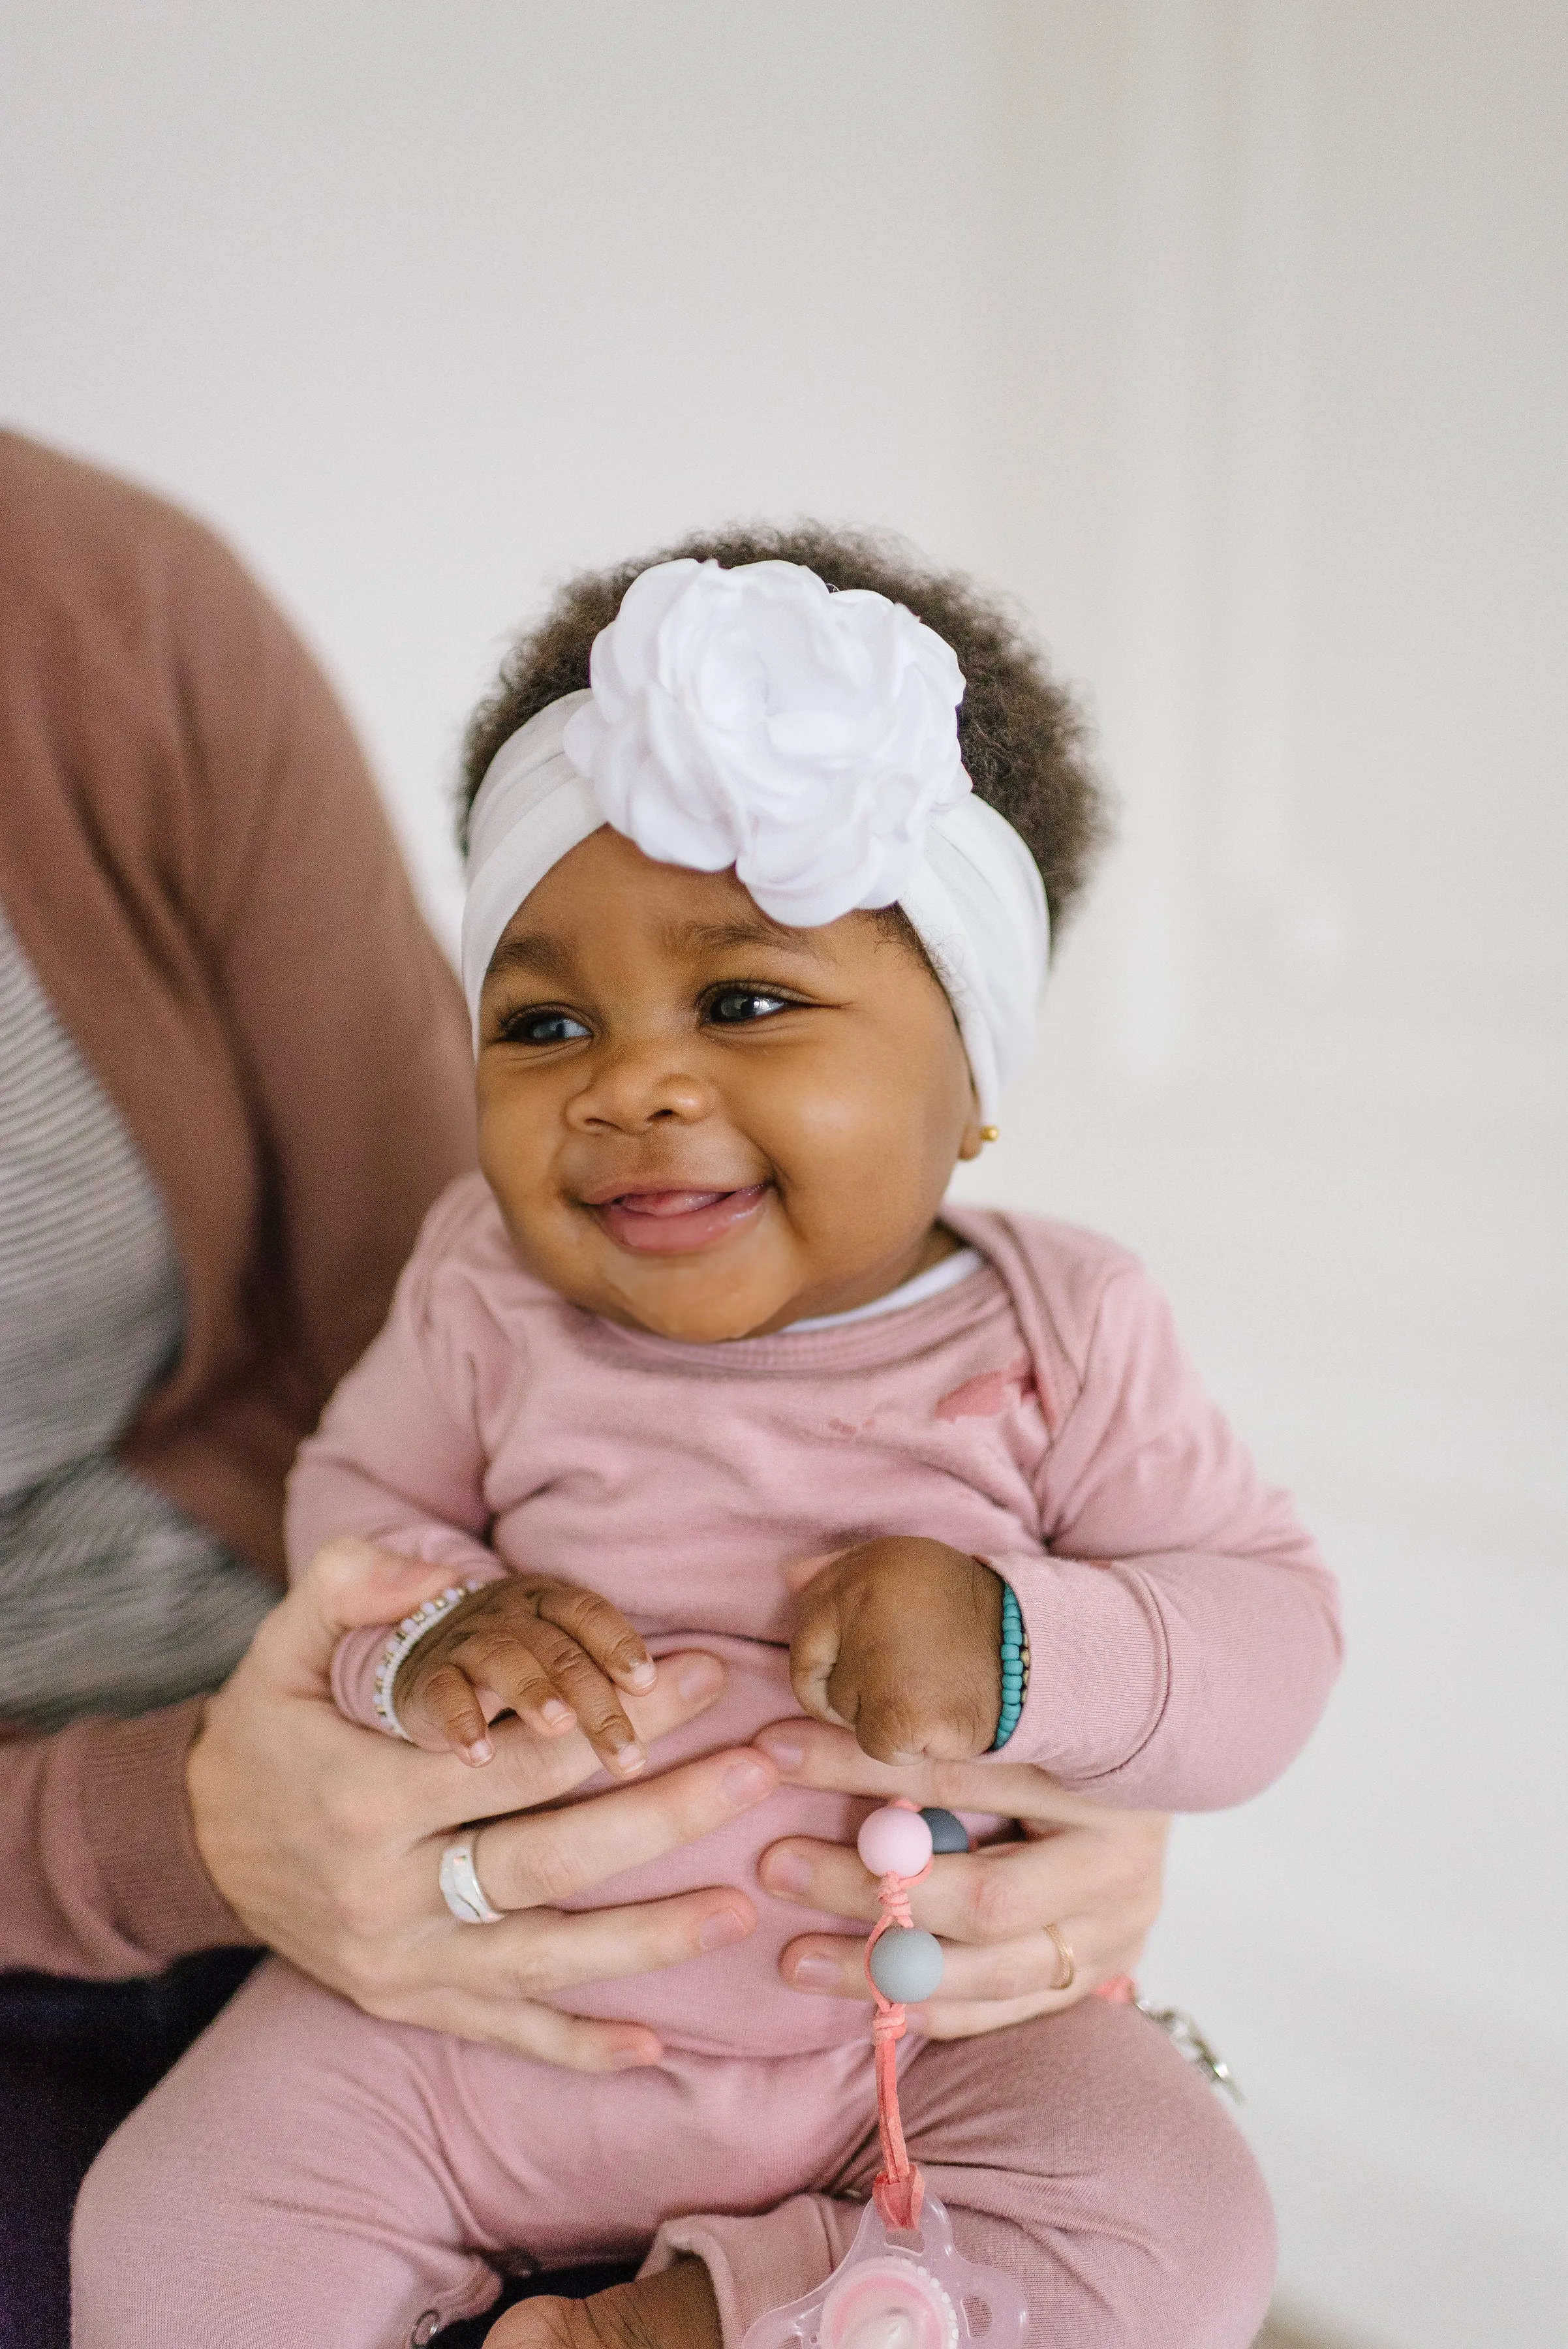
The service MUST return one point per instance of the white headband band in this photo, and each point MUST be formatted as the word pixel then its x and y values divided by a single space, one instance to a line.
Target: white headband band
pixel 751 717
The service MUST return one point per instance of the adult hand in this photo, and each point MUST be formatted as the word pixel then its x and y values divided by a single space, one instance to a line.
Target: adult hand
pixel 324 1839
pixel 1092 1872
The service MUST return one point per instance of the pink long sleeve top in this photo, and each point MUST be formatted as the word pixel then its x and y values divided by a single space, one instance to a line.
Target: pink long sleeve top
pixel 1041 1414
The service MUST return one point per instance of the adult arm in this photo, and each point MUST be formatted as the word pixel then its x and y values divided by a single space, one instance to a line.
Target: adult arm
pixel 262 1000
pixel 286 1042
pixel 100 1874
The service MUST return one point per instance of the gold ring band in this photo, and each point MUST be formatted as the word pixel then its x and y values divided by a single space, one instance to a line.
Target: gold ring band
pixel 1069 1963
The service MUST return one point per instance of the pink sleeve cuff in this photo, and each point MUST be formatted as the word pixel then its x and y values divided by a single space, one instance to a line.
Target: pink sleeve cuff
pixel 358 1655
pixel 758 2264
pixel 135 1820
pixel 1098 1669
pixel 1185 1680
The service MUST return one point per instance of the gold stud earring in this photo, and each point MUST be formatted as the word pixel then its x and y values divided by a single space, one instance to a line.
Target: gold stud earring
pixel 990 1134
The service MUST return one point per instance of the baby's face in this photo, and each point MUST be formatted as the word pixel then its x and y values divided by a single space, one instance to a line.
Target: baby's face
pixel 700 1123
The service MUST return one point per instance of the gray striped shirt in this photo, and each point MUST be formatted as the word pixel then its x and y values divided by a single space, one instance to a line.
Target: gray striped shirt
pixel 112 1600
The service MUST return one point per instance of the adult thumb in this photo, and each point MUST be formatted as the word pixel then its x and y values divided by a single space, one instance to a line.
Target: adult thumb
pixel 347 1585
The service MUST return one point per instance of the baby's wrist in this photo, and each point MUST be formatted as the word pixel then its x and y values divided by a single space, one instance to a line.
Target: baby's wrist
pixel 1014 1651
pixel 402 1641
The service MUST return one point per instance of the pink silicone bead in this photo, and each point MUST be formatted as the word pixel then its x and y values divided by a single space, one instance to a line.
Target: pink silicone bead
pixel 894 1842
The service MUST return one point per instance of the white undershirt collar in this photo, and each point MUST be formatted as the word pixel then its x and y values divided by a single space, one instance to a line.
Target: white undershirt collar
pixel 916 1291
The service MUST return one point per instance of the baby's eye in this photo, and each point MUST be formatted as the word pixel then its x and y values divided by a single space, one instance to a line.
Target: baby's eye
pixel 542 1026
pixel 732 1007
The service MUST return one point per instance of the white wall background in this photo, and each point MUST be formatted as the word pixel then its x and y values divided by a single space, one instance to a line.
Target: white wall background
pixel 1230 334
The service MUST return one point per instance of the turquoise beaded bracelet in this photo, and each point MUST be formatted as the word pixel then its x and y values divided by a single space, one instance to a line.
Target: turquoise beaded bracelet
pixel 1014 1666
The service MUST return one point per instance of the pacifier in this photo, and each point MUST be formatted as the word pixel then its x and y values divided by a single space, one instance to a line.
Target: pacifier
pixel 901 2289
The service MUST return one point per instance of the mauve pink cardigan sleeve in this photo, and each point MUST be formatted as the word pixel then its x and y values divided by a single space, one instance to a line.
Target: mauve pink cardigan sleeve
pixel 1184 1631
pixel 196 861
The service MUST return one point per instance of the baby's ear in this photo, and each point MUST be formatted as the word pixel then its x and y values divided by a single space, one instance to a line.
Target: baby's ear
pixel 806 1569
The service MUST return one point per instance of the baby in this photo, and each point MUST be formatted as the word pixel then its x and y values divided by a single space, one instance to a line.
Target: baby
pixel 761 872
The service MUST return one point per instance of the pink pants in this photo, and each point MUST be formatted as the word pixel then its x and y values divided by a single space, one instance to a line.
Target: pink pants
pixel 306 2176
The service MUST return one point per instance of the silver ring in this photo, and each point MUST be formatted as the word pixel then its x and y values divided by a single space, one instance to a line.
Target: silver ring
pixel 460 1885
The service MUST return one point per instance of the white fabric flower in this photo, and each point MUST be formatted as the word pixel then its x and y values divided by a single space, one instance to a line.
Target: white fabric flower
pixel 751 717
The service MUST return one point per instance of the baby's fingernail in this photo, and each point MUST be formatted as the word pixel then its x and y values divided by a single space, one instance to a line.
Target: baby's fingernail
pixel 782 1747
pixel 699 1676
pixel 722 1928
pixel 630 1757
pixel 643 1675
pixel 482 1750
pixel 746 1782
pixel 556 1714
pixel 785 1871
pixel 815 1973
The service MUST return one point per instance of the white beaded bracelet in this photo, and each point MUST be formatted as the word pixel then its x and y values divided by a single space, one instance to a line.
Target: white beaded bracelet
pixel 403 1642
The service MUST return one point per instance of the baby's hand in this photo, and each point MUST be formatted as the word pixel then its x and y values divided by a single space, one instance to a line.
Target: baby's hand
pixel 900 1640
pixel 552 1652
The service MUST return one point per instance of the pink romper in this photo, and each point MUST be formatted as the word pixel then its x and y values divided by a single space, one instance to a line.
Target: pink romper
pixel 309 2174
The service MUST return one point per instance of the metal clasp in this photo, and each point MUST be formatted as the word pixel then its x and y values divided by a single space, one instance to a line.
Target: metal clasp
pixel 1184 2033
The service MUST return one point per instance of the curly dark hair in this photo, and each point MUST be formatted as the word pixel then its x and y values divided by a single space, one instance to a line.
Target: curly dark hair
pixel 1024 739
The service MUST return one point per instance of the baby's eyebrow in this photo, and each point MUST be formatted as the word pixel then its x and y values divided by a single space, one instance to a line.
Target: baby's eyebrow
pixel 711 937
pixel 532 950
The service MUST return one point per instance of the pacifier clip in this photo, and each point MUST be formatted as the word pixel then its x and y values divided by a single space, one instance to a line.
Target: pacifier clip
pixel 903 2285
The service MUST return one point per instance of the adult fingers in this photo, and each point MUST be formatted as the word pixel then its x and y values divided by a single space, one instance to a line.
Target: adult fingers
pixel 438 1792
pixel 954 2018
pixel 958 2013
pixel 548 1856
pixel 543 1951
pixel 806 1569
pixel 995 1894
pixel 832 1965
pixel 814 1753
pixel 528 2028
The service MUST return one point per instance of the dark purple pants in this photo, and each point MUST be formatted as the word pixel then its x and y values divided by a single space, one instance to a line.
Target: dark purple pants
pixel 75 2057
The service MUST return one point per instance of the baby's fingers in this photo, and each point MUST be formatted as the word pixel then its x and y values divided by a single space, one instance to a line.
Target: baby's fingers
pixel 442 1713
pixel 599 1628
pixel 546 1657
pixel 507 1672
pixel 814 1659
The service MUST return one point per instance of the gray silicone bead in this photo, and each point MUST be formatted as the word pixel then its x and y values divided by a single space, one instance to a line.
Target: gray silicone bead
pixel 907 1965
pixel 948 1833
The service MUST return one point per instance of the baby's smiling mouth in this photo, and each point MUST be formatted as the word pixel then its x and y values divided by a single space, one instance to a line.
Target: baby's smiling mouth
pixel 675 1222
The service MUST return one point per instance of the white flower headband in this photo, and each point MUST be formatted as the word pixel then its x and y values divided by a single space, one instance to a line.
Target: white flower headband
pixel 753 718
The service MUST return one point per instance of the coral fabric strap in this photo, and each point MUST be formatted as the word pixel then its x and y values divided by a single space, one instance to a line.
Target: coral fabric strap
pixel 899 2188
